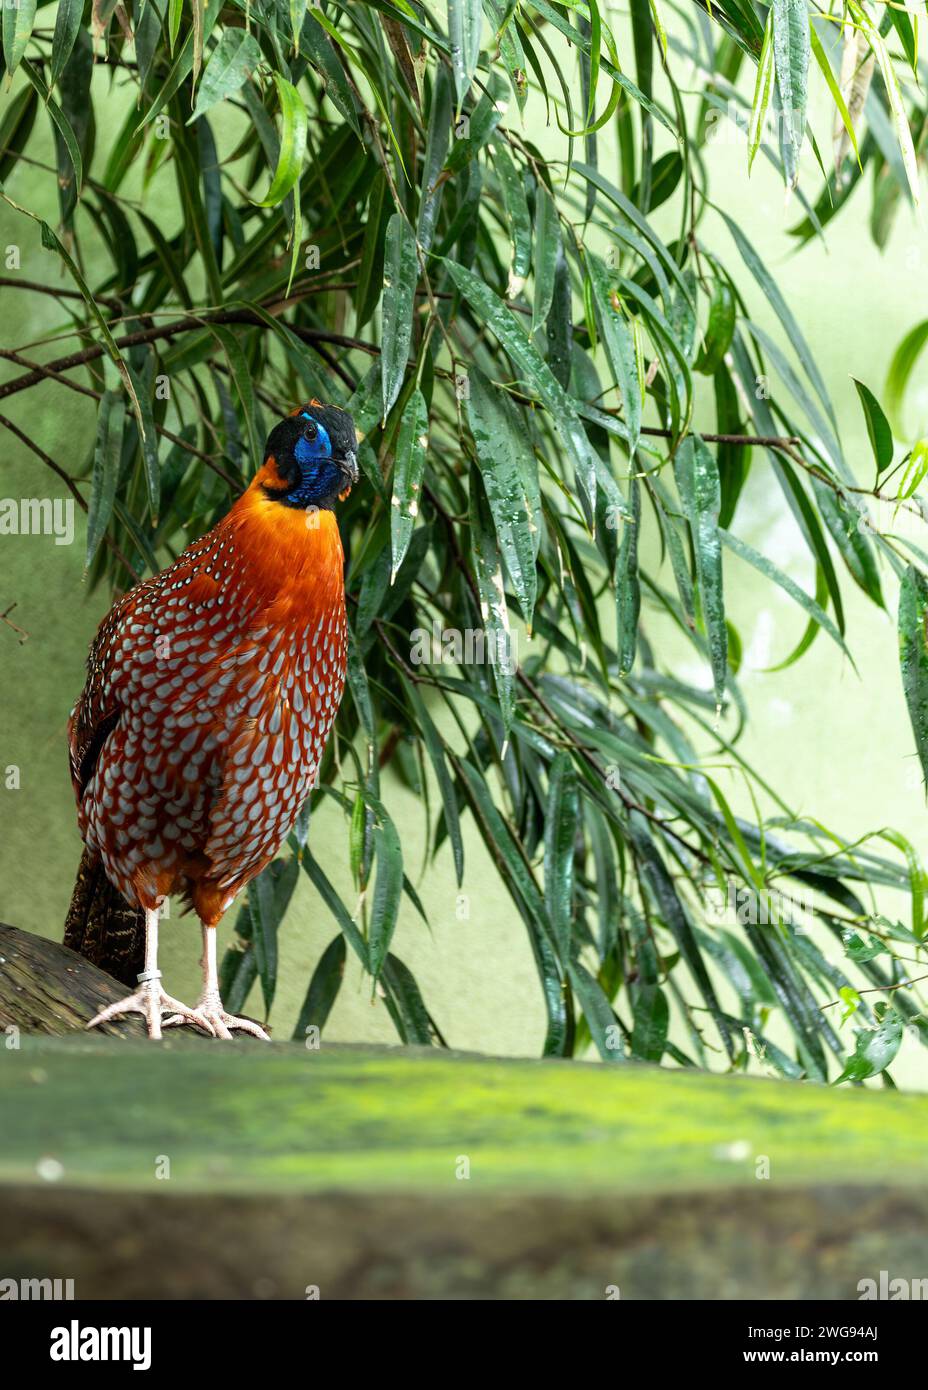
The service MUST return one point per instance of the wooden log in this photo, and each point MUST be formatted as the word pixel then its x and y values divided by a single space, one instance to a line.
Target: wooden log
pixel 47 988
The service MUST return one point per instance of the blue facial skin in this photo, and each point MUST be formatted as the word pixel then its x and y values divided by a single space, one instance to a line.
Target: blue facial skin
pixel 320 477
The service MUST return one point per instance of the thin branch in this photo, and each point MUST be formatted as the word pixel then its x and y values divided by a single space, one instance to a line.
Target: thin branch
pixel 878 989
pixel 188 324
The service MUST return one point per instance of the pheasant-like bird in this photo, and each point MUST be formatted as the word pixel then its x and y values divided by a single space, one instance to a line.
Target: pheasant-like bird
pixel 211 691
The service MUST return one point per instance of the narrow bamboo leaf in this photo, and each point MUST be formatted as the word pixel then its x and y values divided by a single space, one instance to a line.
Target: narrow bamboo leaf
pixel 360 688
pixel 627 584
pixel 788 585
pixel 652 1018
pixel 435 153
pixel 465 20
pixel 720 329
pixel 698 484
pixel 878 430
pixel 400 275
pixel 772 293
pixel 900 370
pixel 408 468
pixel 404 999
pixel 320 49
pixel 791 63
pixel 111 421
pixel 675 917
pixel 597 1012
pixel 893 93
pixel 913 656
pixel 293 129
pixel 143 383
pixel 181 68
pixel 67 28
pixel 18 19
pixel 561 818
pixel 510 476
pixel 241 375
pixel 297 16
pixel 821 57
pixel 234 58
pixel 547 244
pixel 518 220
pixel 619 344
pixel 491 310
pixel 435 747
pixel 388 884
pixel 488 571
pixel 323 989
pixel 335 905
pixel 61 123
pixel 266 916
pixel 762 89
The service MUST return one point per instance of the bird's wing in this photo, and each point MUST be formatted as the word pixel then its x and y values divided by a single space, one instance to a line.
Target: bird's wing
pixel 97 710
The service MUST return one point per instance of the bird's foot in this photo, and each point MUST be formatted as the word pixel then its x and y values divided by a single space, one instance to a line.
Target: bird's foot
pixel 209 1008
pixel 152 1002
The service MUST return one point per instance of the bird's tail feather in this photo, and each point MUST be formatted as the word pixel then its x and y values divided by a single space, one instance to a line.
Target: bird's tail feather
pixel 102 926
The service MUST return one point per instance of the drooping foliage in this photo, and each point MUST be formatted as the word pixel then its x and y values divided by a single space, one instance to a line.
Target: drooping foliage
pixel 483 228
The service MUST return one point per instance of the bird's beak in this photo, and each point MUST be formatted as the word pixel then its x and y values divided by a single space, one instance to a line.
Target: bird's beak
pixel 349 466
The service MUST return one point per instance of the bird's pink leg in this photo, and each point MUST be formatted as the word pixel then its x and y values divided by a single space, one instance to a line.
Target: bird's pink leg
pixel 209 1005
pixel 150 1000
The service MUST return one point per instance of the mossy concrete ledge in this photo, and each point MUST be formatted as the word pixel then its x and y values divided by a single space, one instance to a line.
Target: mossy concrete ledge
pixel 183 1169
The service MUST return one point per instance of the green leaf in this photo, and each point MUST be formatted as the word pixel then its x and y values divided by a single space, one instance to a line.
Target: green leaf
pixel 782 310
pixel 293 129
pixel 435 746
pixel 519 223
pixel 771 571
pixel 652 1017
pixel 61 122
pixel 874 1050
pixel 547 244
pixel 490 310
pixel 620 346
pixel 791 63
pixel 408 469
pixel 878 430
pixel 18 19
pixel 488 572
pixel 720 329
pixel 107 454
pixel 400 276
pixel 67 28
pixel 234 58
pixel 821 57
pixel 335 905
pixel 323 989
pixel 763 86
pixel 510 476
pixel 388 884
pixel 465 21
pixel 913 656
pixel 893 93
pixel 561 817
pixel 900 370
pixel 627 583
pixel 698 484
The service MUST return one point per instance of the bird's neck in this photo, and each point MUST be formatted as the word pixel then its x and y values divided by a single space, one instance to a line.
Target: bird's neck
pixel 294 557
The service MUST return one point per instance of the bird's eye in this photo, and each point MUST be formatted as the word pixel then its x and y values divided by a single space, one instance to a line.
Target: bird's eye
pixel 310 431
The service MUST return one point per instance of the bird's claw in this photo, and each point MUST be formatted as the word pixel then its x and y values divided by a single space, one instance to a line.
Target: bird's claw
pixel 209 1010
pixel 152 1002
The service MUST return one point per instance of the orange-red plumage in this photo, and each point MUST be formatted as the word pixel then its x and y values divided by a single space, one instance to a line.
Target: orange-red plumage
pixel 212 688
pixel 216 683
